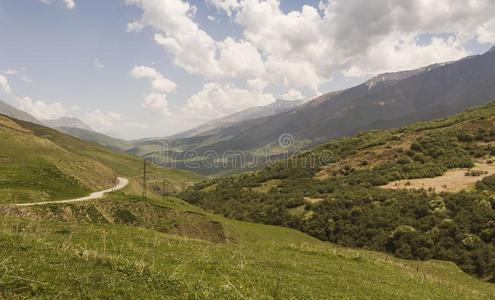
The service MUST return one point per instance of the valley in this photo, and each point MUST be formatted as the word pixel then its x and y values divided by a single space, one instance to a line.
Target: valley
pixel 123 246
pixel 247 149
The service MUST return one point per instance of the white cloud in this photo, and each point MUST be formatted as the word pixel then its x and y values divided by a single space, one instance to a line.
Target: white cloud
pixel 157 101
pixel 486 32
pixel 69 4
pixel 292 94
pixel 102 121
pixel 191 48
pixel 98 65
pixel 161 86
pixel 216 100
pixel 13 72
pixel 158 81
pixel 257 84
pixel 41 110
pixel 4 85
pixel 134 27
pixel 239 59
pixel 305 48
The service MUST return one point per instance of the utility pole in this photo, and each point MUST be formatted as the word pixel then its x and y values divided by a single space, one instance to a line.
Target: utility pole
pixel 163 190
pixel 145 179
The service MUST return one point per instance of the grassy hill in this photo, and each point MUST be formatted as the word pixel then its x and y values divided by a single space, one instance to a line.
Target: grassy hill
pixel 349 192
pixel 40 164
pixel 97 138
pixel 122 248
pixel 126 247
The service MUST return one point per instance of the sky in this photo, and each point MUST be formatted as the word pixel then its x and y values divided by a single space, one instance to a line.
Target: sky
pixel 142 68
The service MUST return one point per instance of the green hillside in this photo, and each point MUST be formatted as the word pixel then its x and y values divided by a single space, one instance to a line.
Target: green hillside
pixel 40 164
pixel 358 192
pixel 124 248
pixel 96 138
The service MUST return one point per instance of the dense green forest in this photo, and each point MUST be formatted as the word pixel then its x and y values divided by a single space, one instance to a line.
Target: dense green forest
pixel 337 199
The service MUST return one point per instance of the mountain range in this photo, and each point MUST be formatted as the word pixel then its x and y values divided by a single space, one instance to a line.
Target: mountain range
pixel 10 111
pixel 385 101
pixel 274 108
pixel 67 122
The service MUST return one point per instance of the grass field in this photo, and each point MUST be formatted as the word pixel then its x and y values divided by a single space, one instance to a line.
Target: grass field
pixel 56 254
pixel 41 164
pixel 124 247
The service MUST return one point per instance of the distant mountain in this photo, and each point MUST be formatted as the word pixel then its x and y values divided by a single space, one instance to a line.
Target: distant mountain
pixel 276 107
pixel 97 138
pixel 385 101
pixel 10 111
pixel 66 122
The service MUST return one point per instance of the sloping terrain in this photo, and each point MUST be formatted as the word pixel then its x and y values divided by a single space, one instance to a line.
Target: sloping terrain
pixel 213 132
pixel 334 192
pixel 454 180
pixel 10 111
pixel 162 247
pixel 97 138
pixel 274 108
pixel 386 101
pixel 124 248
pixel 68 122
pixel 41 164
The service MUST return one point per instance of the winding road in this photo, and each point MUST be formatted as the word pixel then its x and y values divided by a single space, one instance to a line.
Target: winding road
pixel 122 183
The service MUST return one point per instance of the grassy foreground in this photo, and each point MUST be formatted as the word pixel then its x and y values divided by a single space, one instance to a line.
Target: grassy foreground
pixel 124 248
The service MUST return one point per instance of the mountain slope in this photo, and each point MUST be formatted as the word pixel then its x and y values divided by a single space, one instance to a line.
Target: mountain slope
pixel 41 164
pixel 276 107
pixel 67 122
pixel 373 191
pixel 385 101
pixel 96 137
pixel 10 111
pixel 127 248
pixel 213 132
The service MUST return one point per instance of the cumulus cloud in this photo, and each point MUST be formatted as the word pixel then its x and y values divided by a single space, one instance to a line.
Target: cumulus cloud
pixel 156 101
pixel 158 81
pixel 41 110
pixel 134 27
pixel 161 86
pixel 14 72
pixel 358 37
pixel 305 48
pixel 98 65
pixel 292 94
pixel 69 4
pixel 4 85
pixel 486 32
pixel 102 121
pixel 217 100
pixel 191 47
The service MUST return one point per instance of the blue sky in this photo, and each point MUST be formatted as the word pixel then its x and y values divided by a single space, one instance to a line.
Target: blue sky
pixel 59 59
